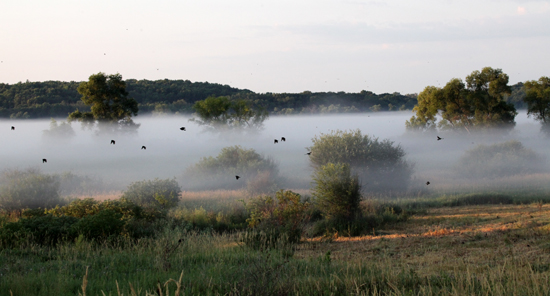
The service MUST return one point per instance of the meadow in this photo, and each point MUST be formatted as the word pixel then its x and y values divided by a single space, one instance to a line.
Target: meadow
pixel 461 244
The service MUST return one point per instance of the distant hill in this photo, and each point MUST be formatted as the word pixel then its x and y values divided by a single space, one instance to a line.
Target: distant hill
pixel 58 99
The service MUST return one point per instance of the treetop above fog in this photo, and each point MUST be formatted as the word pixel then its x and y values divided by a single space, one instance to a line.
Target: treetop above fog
pixel 478 103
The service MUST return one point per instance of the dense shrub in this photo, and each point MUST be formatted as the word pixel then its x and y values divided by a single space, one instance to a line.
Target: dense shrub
pixel 220 171
pixel 101 226
pixel 88 218
pixel 337 193
pixel 43 230
pixel 156 193
pixel 379 164
pixel 276 221
pixel 499 160
pixel 28 189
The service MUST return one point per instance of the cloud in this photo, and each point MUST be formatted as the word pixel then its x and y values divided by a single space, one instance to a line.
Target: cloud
pixel 521 10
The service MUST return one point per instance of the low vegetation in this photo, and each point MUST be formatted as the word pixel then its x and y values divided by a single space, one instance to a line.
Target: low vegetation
pixel 258 172
pixel 500 160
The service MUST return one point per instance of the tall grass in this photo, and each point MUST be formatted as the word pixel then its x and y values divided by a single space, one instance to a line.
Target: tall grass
pixel 211 264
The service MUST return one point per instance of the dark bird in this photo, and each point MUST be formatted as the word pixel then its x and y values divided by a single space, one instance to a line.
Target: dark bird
pixel 275 141
pixel 143 148
pixel 182 128
pixel 113 142
pixel 283 139
pixel 13 128
pixel 309 153
pixel 44 160
pixel 428 183
pixel 237 177
pixel 439 138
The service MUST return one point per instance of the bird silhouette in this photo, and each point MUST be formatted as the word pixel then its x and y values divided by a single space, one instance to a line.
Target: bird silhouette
pixel 44 160
pixel 283 139
pixel 182 128
pixel 439 138
pixel 13 128
pixel 428 183
pixel 113 142
pixel 237 177
pixel 275 141
pixel 309 153
pixel 143 148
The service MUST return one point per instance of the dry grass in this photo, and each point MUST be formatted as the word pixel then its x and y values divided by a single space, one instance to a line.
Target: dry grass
pixel 477 237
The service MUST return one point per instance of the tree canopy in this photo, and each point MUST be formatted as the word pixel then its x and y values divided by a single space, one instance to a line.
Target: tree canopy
pixel 109 101
pixel 538 100
pixel 219 113
pixel 480 102
pixel 380 164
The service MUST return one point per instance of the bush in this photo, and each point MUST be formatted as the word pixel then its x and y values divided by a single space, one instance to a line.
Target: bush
pixel 28 189
pixel 379 164
pixel 337 192
pixel 43 230
pixel 156 193
pixel 499 160
pixel 220 172
pixel 276 222
pixel 101 226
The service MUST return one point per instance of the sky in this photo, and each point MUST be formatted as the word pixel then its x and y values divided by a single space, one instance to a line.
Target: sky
pixel 276 45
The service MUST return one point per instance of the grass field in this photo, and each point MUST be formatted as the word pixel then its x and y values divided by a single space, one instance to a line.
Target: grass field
pixel 498 249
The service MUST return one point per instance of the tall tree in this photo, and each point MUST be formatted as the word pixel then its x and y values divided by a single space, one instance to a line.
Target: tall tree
pixel 478 103
pixel 110 105
pixel 538 101
pixel 219 113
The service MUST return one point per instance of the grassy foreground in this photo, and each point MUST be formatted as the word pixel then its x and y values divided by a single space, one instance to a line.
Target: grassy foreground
pixel 464 250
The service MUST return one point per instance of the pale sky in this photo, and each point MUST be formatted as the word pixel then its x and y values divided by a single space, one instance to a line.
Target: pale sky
pixel 276 45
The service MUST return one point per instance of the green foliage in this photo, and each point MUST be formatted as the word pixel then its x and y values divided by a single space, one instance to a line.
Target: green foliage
pixel 220 171
pixel 100 226
pixel 155 193
pixel 477 104
pixel 42 230
pixel 379 164
pixel 219 113
pixel 28 189
pixel 538 100
pixel 276 221
pixel 499 160
pixel 337 193
pixel 110 105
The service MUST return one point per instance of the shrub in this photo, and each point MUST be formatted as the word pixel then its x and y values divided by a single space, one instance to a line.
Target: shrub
pixel 28 189
pixel 220 171
pixel 379 163
pixel 499 160
pixel 102 225
pixel 279 221
pixel 337 192
pixel 154 193
pixel 43 230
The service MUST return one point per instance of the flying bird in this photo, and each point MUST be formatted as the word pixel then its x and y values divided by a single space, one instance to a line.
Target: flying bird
pixel 143 148
pixel 309 153
pixel 283 139
pixel 182 128
pixel 439 138
pixel 428 183
pixel 113 142
pixel 275 141
pixel 237 177
pixel 44 160
pixel 12 128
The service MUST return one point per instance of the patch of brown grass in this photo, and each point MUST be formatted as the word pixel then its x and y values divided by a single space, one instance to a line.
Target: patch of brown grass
pixel 475 237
